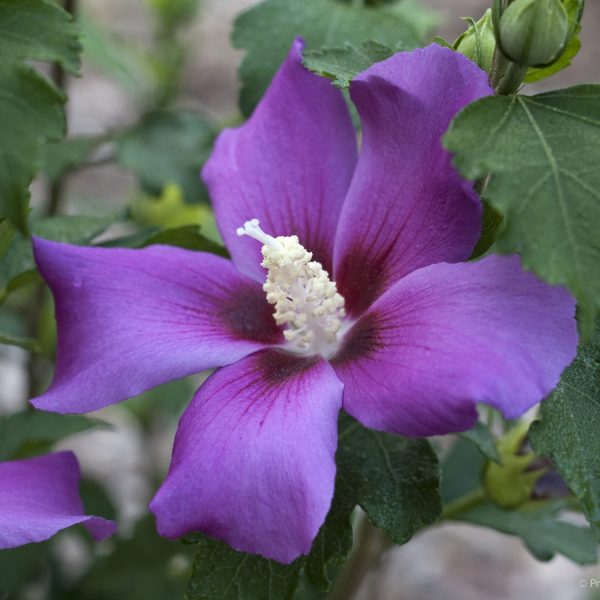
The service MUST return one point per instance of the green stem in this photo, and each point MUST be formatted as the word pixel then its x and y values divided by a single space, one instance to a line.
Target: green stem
pixel 490 418
pixel 36 363
pixel 60 79
pixel 511 79
pixel 464 503
pixel 370 545
pixel 505 76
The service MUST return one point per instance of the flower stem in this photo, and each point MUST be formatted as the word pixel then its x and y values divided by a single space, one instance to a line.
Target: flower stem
pixel 506 76
pixel 464 503
pixel 370 545
pixel 511 79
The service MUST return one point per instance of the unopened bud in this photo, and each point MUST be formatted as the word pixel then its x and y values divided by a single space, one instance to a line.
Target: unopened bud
pixel 478 42
pixel 512 482
pixel 534 32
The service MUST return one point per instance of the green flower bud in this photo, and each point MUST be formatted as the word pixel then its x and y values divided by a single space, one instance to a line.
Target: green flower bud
pixel 510 484
pixel 534 32
pixel 478 41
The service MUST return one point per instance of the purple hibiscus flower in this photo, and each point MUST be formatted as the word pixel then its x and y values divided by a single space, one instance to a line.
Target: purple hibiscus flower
pixel 402 334
pixel 39 497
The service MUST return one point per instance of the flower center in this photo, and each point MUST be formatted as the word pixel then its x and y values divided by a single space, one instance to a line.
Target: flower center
pixel 306 300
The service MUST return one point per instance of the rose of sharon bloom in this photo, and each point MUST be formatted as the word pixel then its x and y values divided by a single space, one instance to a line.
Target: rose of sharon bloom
pixel 39 497
pixel 346 289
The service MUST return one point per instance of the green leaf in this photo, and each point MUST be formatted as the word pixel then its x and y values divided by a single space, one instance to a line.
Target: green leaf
pixel 21 566
pixel 189 237
pixel 38 30
pixel 62 157
pixel 33 432
pixel 440 41
pixel 133 240
pixel 144 567
pixel 568 430
pixel 333 544
pixel 13 322
pixel 322 23
pixel 220 572
pixel 483 440
pixel 461 470
pixel 395 480
pixel 31 111
pixel 121 59
pixel 17 267
pixel 174 14
pixel 7 232
pixel 343 64
pixel 423 20
pixel 539 528
pixel 96 501
pixel 168 147
pixel 543 153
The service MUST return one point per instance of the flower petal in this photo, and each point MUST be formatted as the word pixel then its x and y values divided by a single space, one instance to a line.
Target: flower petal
pixel 132 319
pixel 253 462
pixel 39 497
pixel 289 165
pixel 450 335
pixel 407 207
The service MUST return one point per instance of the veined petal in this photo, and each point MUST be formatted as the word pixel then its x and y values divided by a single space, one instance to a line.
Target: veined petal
pixel 253 462
pixel 407 207
pixel 289 166
pixel 132 319
pixel 450 335
pixel 39 497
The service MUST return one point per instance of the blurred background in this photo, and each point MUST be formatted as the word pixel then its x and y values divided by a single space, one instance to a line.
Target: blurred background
pixel 123 464
pixel 98 102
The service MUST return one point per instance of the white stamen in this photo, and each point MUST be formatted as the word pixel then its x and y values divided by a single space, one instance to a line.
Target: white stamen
pixel 306 300
pixel 252 229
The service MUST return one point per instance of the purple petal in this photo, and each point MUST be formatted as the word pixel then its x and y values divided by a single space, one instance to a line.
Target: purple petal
pixel 450 335
pixel 253 462
pixel 39 497
pixel 132 319
pixel 407 207
pixel 289 165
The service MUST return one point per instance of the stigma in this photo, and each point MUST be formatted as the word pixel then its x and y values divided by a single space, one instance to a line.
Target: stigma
pixel 306 301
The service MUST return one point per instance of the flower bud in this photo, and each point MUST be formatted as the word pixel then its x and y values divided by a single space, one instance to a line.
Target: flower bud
pixel 534 32
pixel 478 42
pixel 511 483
